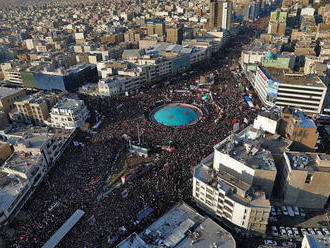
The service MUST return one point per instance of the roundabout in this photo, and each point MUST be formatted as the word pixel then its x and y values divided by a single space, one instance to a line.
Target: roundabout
pixel 176 115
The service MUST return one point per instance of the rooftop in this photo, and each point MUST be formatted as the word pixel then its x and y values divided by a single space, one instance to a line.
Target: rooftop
pixel 68 103
pixel 247 148
pixel 308 161
pixel 181 227
pixel 284 76
pixel 5 91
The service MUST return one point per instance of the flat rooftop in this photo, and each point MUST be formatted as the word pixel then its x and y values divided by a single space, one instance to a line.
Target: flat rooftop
pixel 246 147
pixel 4 91
pixel 10 186
pixel 309 161
pixel 23 163
pixel 181 227
pixel 295 78
pixel 68 103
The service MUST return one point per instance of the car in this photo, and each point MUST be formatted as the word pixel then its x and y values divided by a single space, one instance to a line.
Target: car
pixel 311 231
pixel 283 231
pixel 302 213
pixel 273 212
pixel 285 210
pixel 318 231
pixel 303 231
pixel 274 231
pixel 325 231
pixel 278 211
pixel 270 242
pixel 296 210
pixel 289 231
pixel 273 219
pixel 289 244
pixel 296 232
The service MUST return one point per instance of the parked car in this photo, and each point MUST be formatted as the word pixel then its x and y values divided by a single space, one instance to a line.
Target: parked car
pixel 290 211
pixel 296 232
pixel 278 211
pixel 283 231
pixel 302 213
pixel 325 231
pixel 273 219
pixel 303 231
pixel 296 210
pixel 285 210
pixel 318 231
pixel 289 244
pixel 270 242
pixel 273 212
pixel 311 231
pixel 274 231
pixel 289 231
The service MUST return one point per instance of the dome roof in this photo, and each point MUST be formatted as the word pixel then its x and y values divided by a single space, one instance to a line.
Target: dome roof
pixel 175 115
pixel 270 55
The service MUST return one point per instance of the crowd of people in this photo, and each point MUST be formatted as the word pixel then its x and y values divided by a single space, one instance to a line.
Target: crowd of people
pixel 76 178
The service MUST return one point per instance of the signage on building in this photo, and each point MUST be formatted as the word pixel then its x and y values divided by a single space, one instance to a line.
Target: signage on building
pixel 262 75
pixel 272 91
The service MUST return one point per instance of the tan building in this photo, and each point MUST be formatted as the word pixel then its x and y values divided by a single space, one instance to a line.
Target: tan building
pixel 8 96
pixel 34 108
pixel 305 179
pixel 220 14
pixel 298 128
pixel 5 151
pixel 156 27
pixel 174 35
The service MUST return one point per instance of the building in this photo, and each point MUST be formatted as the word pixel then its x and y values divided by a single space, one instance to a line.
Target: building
pixel 11 74
pixel 220 14
pixel 181 227
pixel 8 96
pixel 156 27
pixel 285 89
pixel 315 241
pixel 36 150
pixel 298 128
pixel 174 34
pixel 60 79
pixel 277 22
pixel 33 108
pixel 305 179
pixel 118 84
pixel 236 181
pixel 5 151
pixel 68 114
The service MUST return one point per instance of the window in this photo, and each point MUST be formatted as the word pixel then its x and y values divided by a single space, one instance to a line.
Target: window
pixel 308 178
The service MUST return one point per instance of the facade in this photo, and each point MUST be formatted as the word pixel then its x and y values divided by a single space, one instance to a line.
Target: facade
pixel 277 22
pixel 61 79
pixel 11 74
pixel 220 14
pixel 68 114
pixel 119 84
pixel 173 228
pixel 156 27
pixel 33 108
pixel 302 131
pixel 284 89
pixel 174 34
pixel 315 241
pixel 5 151
pixel 22 172
pixel 305 179
pixel 236 181
pixel 8 96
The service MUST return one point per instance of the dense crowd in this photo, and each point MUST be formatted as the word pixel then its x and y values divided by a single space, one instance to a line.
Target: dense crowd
pixel 75 181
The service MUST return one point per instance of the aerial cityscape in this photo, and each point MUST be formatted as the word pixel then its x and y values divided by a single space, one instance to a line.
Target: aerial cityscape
pixel 164 123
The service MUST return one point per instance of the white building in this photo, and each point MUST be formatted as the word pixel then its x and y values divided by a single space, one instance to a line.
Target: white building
pixel 118 84
pixel 236 181
pixel 275 87
pixel 35 153
pixel 69 114
pixel 11 74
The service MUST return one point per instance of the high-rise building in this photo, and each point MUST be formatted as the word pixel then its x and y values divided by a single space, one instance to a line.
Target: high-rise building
pixel 174 34
pixel 156 27
pixel 220 14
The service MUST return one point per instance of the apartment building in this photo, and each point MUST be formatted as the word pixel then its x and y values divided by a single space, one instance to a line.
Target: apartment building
pixel 174 34
pixel 277 22
pixel 285 89
pixel 236 181
pixel 298 128
pixel 68 114
pixel 33 108
pixel 305 179
pixel 8 96
pixel 117 84
pixel 36 150
pixel 5 151
pixel 11 74
pixel 220 14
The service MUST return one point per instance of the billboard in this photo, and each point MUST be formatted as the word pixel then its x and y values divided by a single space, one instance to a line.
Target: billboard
pixel 272 91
